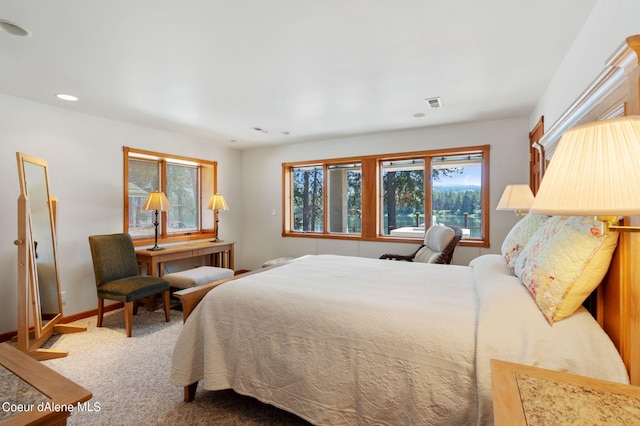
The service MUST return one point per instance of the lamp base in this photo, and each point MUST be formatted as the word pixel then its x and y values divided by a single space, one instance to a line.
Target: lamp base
pixel 216 241
pixel 156 248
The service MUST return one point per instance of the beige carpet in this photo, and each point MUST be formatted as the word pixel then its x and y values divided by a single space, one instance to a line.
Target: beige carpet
pixel 129 378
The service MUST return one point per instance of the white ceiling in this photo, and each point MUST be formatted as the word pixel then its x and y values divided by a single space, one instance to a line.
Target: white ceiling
pixel 217 69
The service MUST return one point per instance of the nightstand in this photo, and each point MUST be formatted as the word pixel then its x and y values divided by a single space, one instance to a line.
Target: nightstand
pixel 525 395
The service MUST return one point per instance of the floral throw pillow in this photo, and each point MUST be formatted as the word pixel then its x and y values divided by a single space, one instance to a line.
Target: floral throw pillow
pixel 563 262
pixel 519 236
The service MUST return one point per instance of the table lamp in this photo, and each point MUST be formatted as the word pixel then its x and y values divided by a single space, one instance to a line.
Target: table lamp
pixel 217 203
pixel 517 198
pixel 156 201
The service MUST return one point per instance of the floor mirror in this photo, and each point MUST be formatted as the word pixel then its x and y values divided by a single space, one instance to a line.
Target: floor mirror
pixel 39 298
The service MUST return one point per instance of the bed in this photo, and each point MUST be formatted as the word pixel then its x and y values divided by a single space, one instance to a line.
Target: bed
pixel 334 340
pixel 345 340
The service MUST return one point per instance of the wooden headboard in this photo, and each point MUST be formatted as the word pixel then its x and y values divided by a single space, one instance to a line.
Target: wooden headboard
pixel 616 92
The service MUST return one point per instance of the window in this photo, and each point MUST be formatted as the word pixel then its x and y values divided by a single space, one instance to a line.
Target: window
pixel 402 184
pixel 188 184
pixel 308 205
pixel 456 194
pixel 345 201
pixel 389 197
pixel 183 193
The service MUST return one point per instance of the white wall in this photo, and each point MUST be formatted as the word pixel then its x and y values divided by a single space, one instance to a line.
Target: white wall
pixel 607 27
pixel 85 160
pixel 262 185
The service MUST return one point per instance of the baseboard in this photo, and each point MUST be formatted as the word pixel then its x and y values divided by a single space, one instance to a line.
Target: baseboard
pixel 67 319
pixel 92 312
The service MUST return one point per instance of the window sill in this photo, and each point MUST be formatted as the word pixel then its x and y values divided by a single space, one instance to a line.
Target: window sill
pixel 465 243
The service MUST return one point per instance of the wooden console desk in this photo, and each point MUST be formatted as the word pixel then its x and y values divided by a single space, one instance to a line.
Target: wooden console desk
pixel 220 254
pixel 32 393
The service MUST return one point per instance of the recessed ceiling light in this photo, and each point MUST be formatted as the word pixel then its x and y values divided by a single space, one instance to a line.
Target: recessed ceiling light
pixel 13 28
pixel 65 97
pixel 419 114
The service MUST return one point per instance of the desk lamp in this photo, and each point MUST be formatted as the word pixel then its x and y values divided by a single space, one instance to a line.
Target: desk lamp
pixel 217 203
pixel 156 201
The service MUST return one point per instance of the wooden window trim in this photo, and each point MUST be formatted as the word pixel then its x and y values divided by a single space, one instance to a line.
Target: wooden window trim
pixel 205 191
pixel 370 196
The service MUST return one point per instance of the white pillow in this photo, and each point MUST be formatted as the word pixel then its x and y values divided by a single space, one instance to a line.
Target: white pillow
pixel 519 236
pixel 563 262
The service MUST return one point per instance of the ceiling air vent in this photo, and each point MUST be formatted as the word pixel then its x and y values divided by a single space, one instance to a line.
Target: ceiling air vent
pixel 434 102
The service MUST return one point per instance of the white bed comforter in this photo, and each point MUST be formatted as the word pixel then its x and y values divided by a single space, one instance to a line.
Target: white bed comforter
pixel 349 340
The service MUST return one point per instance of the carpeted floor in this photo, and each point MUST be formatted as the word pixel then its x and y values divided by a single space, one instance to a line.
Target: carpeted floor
pixel 129 378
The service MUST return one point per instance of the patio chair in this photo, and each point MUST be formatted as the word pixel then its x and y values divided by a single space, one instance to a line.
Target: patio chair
pixel 438 246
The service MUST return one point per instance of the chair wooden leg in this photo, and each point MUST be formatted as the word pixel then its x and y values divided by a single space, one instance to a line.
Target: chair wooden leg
pixel 136 303
pixel 165 300
pixel 128 316
pixel 100 311
pixel 152 302
pixel 190 392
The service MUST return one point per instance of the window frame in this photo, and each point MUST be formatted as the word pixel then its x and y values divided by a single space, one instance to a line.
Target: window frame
pixel 357 165
pixel 372 194
pixel 324 194
pixel 207 187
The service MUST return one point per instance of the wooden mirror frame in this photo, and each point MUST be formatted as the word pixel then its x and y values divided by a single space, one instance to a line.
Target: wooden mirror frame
pixel 35 327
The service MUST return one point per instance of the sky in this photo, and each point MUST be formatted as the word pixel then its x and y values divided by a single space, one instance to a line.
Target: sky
pixel 471 176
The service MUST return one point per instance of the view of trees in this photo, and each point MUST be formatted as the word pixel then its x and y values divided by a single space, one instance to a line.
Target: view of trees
pixel 182 188
pixel 460 206
pixel 407 187
pixel 456 199
pixel 307 199
pixel 403 197
pixel 144 174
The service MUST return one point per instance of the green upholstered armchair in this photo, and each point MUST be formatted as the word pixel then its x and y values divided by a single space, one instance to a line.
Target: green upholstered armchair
pixel 117 278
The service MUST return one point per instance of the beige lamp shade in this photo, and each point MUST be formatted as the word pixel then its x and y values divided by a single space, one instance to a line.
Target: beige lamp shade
pixel 594 171
pixel 157 201
pixel 516 197
pixel 217 202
